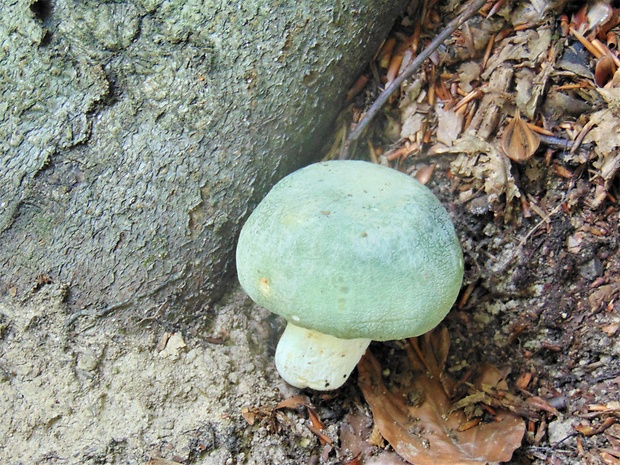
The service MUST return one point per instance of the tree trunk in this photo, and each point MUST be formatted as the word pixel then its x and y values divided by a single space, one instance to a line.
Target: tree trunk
pixel 136 136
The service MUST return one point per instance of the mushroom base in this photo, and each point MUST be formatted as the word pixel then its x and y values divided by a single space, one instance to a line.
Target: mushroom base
pixel 307 358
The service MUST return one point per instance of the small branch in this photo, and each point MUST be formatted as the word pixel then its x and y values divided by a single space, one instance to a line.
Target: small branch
pixel 457 22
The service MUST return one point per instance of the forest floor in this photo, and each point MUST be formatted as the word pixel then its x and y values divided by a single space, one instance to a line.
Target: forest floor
pixel 515 124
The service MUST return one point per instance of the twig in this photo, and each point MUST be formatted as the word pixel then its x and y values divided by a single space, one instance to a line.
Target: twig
pixel 556 142
pixel 544 220
pixel 457 22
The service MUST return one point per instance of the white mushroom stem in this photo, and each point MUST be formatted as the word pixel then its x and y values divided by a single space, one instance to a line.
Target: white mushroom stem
pixel 307 358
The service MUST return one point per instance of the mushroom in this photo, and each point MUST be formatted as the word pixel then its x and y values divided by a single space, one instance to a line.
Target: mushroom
pixel 347 252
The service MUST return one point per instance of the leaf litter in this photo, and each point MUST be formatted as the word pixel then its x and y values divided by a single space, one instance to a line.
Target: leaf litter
pixel 422 421
pixel 520 80
pixel 521 111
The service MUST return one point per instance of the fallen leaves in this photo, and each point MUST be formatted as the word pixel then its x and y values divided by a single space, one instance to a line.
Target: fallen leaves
pixel 519 141
pixel 606 420
pixel 484 166
pixel 449 125
pixel 359 439
pixel 274 420
pixel 605 70
pixel 611 454
pixel 421 421
pixel 557 73
pixel 527 46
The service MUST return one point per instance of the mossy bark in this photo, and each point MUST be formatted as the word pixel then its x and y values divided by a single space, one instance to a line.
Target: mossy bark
pixel 136 136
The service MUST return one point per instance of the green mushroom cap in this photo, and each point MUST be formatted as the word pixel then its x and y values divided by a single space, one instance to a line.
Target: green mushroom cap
pixel 354 250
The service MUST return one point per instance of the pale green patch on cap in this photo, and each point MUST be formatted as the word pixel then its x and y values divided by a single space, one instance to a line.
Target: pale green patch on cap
pixel 354 250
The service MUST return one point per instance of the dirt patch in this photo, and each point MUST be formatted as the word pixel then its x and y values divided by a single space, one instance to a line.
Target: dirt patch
pixel 119 391
pixel 543 309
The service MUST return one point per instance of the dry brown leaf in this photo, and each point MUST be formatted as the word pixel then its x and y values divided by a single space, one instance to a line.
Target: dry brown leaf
pixel 425 173
pixel 468 72
pixel 615 81
pixel 316 425
pixel 248 415
pixel 524 83
pixel 449 125
pixel 526 46
pixel 486 118
pixel 608 457
pixel 532 87
pixel 606 136
pixel 294 402
pixel 489 167
pixel 429 432
pixel 605 70
pixel 598 14
pixel 530 12
pixel 519 141
pixel 315 420
pixel 360 440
